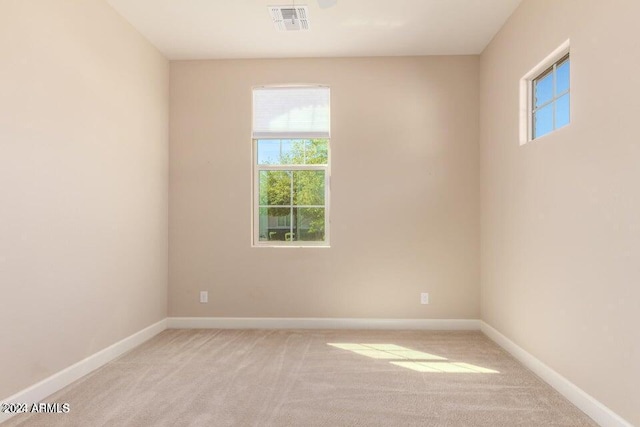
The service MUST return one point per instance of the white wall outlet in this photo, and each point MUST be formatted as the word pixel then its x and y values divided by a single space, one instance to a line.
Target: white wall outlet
pixel 204 297
pixel 424 298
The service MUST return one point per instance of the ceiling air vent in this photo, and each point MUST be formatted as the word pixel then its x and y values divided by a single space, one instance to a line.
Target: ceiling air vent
pixel 290 18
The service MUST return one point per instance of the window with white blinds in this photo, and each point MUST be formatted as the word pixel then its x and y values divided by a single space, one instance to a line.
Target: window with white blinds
pixel 291 130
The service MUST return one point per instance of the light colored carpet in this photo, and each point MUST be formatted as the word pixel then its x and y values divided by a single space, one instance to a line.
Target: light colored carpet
pixel 296 378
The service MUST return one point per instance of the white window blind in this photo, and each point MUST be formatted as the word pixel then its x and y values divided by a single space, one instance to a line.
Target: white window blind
pixel 291 112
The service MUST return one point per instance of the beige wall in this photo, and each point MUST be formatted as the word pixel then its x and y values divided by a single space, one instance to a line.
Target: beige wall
pixel 83 185
pixel 83 220
pixel 560 222
pixel 404 196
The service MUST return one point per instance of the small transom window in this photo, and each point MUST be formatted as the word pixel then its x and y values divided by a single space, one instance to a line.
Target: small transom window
pixel 551 101
pixel 545 103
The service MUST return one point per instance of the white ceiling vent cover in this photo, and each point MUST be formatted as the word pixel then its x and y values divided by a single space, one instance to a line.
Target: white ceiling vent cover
pixel 290 18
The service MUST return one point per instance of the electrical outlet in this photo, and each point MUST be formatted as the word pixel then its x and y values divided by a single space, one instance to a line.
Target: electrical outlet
pixel 424 298
pixel 204 297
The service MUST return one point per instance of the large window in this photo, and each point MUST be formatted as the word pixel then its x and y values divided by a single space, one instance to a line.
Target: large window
pixel 291 131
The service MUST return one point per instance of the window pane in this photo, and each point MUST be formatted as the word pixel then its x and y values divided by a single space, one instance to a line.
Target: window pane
pixel 292 152
pixel 562 77
pixel 308 187
pixel 308 224
pixel 543 121
pixel 275 188
pixel 268 151
pixel 562 111
pixel 543 89
pixel 317 152
pixel 274 223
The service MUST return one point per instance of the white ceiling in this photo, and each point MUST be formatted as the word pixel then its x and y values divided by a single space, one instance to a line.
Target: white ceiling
pixel 207 29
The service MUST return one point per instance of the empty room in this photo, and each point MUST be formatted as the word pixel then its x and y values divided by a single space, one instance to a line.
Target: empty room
pixel 319 213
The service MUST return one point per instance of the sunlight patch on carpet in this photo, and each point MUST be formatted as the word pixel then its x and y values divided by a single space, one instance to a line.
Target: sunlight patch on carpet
pixel 411 359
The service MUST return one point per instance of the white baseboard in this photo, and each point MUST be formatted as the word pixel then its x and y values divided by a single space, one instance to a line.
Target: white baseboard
pixel 319 323
pixel 589 405
pixel 38 392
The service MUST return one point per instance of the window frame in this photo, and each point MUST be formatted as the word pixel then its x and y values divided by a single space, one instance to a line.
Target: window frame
pixel 257 168
pixel 554 96
pixel 527 94
pixel 259 134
